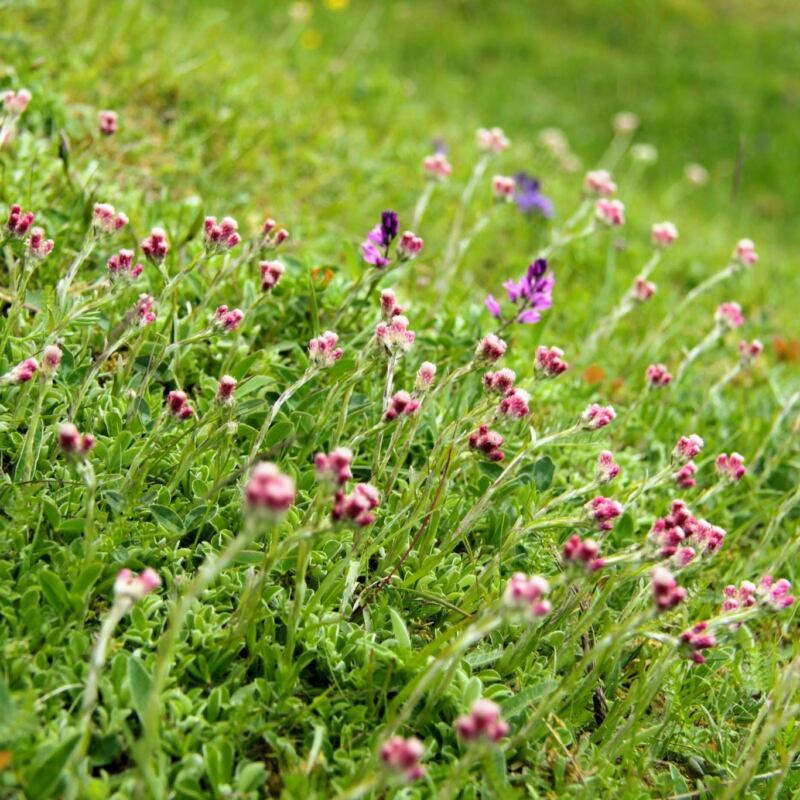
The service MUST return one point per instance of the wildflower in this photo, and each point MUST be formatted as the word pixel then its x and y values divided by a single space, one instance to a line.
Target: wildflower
pixel 356 506
pixel 666 592
pixel 51 359
pixel 709 536
pixel 745 253
pixel 529 197
pixel 550 361
pixel 658 375
pixel 371 254
pixel 625 122
pixel 155 246
pixel 15 103
pixel 271 273
pixel 335 467
pixel 38 246
pixel 528 593
pixel 178 404
pixel 644 153
pixel 228 320
pixel 610 212
pixel 144 309
pixel 696 639
pixel 72 442
pixel 323 350
pixel 487 442
pixel 491 348
pixel 500 381
pixel 108 122
pixel 483 723
pixel 670 532
pixel 684 477
pixel 22 373
pixel 225 390
pixel 607 468
pixel 437 167
pixel 731 467
pixel 402 756
pixel 401 403
pixel 503 187
pixel 750 351
pixel 585 552
pixel 270 240
pixel 389 305
pixel 121 265
pixel 775 594
pixel 134 587
pixel 603 512
pixel 515 403
pixel 687 448
pixel 743 597
pixel 220 237
pixel 663 234
pixel 683 557
pixel 492 140
pixel 729 315
pixel 642 289
pixel 596 416
pixel 409 246
pixel 106 221
pixel 389 227
pixel 425 376
pixel 269 491
pixel 394 337
pixel 19 221
pixel 599 183
pixel 696 174
pixel 531 294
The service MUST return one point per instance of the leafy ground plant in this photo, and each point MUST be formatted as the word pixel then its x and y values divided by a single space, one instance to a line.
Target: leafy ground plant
pixel 374 523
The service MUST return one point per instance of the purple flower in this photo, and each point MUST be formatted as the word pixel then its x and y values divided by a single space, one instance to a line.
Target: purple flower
pixel 529 197
pixel 531 294
pixel 371 254
pixel 493 306
pixel 375 249
pixel 389 227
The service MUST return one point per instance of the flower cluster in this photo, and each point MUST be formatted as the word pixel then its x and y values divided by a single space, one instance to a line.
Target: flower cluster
pixel 729 316
pixel 108 122
pixel 642 289
pixel 596 416
pixel 666 592
pixel 750 351
pixel 225 389
pixel 585 552
pixel 687 448
pixel 658 376
pixel 603 511
pixel 155 246
pixel 731 467
pixel 51 359
pixel 271 273
pixel 15 103
pixel 375 249
pixel 775 595
pixel 663 234
pixel 684 477
pixel 38 246
pixel 271 235
pixel 531 294
pixel 409 246
pixel 550 361
pixel 228 320
pixel 106 220
pixel 610 212
pixel 697 639
pixel 490 349
pixel 437 167
pixel 607 468
pixel 334 468
pixel 19 221
pixel 529 197
pixel 401 403
pixel 121 265
pixel 22 372
pixel 528 593
pixel 500 381
pixel 219 237
pixel 503 187
pixel 143 310
pixel 403 756
pixel 178 404
pixel 357 506
pixel 487 442
pixel 394 337
pixel 323 350
pixel 426 374
pixel 492 140
pixel 269 491
pixel 670 534
pixel 72 441
pixel 483 723
pixel 515 403
pixel 745 253
pixel 599 183
pixel 134 587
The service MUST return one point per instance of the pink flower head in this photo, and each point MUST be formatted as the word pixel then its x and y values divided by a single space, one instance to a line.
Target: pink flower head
pixel 585 552
pixel 775 594
pixel 409 246
pixel 729 315
pixel 38 246
pixel 697 639
pixel 503 187
pixel 16 102
pixel 403 756
pixel 487 442
pixel 599 183
pixel 607 468
pixel 528 593
pixel 666 592
pixel 51 359
pixel 106 221
pixel 642 289
pixel 270 237
pixel 228 320
pixel 72 442
pixel 500 381
pixel 437 167
pixel 144 310
pixel 269 491
pixel 221 236
pixel 483 723
pixel 135 587
pixel 178 404
pixel 425 376
pixel 603 511
pixel 743 597
pixel 323 350
pixel 108 122
pixel 684 477
pixel 19 221
pixel 401 403
pixel 550 361
pixel 389 305
pixel 610 212
pixel 271 273
pixel 394 337
pixel 23 372
pixel 750 351
pixel 225 390
pixel 709 536
pixel 492 140
pixel 335 467
pixel 596 416
pixel 515 403
pixel 731 467
pixel 663 234
pixel 687 448
pixel 683 557
pixel 121 265
pixel 356 506
pixel 491 348
pixel 669 532
pixel 658 376
pixel 745 253
pixel 155 246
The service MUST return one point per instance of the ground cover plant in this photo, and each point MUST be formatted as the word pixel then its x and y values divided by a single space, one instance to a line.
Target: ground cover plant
pixel 483 486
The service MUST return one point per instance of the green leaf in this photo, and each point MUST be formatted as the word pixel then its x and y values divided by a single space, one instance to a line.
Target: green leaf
pixel 400 632
pixel 139 682
pixel 87 579
pixel 54 590
pixel 543 471
pixel 167 518
pixel 44 775
pixel 51 512
pixel 277 433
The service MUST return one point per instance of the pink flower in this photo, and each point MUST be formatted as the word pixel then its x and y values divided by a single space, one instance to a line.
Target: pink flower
pixel 51 359
pixel 697 639
pixel 515 403
pixel 599 183
pixel 670 532
pixel 663 234
pixel 402 756
pixel 38 246
pixel 401 403
pixel 144 310
pixel 683 557
pixel 528 593
pixel 135 587
pixel 425 376
pixel 743 597
pixel 492 140
pixel 550 361
pixel 610 212
pixel 108 122
pixel 225 390
pixel 271 273
pixel 409 246
pixel 323 350
pixel 19 221
pixel 585 552
pixel 269 491
pixel 750 351
pixel 503 187
pixel 121 265
pixel 745 253
pixel 106 221
pixel 221 236
pixel 500 381
pixel 23 372
pixel 389 305
pixel 16 102
pixel 775 594
pixel 437 167
pixel 487 442
pixel 729 315
pixel 642 289
pixel 603 511
pixel 394 336
pixel 356 506
pixel 731 467
pixel 687 448
pixel 666 592
pixel 178 404
pixel 607 468
pixel 155 246
pixel 228 320
pixel 334 468
pixel 491 348
pixel 658 375
pixel 270 240
pixel 596 416
pixel 483 723
pixel 72 442
pixel 684 477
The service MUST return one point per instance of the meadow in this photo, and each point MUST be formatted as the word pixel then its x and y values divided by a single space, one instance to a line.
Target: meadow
pixel 399 400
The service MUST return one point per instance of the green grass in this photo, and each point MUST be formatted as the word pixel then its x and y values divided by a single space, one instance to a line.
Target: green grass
pixel 322 123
